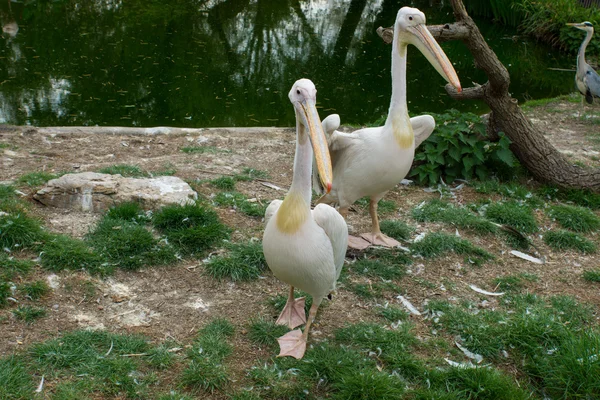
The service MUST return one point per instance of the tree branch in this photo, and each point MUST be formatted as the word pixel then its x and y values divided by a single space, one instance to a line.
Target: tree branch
pixel 471 93
pixel 441 33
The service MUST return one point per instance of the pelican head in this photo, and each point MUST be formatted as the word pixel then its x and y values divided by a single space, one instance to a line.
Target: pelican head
pixel 584 26
pixel 303 96
pixel 411 28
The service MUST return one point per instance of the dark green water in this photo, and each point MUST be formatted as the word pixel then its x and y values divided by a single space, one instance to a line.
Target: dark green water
pixel 194 63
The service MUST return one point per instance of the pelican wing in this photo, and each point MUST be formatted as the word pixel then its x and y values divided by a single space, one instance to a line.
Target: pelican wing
pixel 336 230
pixel 423 126
pixel 272 209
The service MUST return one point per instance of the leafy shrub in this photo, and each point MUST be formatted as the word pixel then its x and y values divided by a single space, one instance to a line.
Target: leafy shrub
pixel 455 150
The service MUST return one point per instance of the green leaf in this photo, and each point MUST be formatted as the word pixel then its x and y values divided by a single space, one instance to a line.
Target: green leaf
pixel 454 152
pixel 468 163
pixel 506 156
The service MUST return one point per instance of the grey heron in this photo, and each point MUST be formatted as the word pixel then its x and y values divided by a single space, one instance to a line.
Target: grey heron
pixel 586 79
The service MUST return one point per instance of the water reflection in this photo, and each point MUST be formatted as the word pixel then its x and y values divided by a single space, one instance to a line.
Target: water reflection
pixel 227 62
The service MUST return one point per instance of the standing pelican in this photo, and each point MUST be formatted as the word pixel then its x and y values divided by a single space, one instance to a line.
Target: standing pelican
pixel 586 79
pixel 304 249
pixel 371 161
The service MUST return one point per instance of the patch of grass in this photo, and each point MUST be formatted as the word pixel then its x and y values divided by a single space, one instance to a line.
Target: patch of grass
pixel 224 183
pixel 35 290
pixel 365 291
pixel 265 332
pixel 565 240
pixel 34 179
pixel 251 174
pixel 192 228
pixel 243 262
pixel 160 357
pixel 512 214
pixel 5 293
pixel 244 395
pixel 512 190
pixel 17 230
pixel 28 313
pixel 15 381
pixel 378 269
pixel 128 245
pixel 383 207
pixel 129 211
pixel 203 149
pixel 398 230
pixel 585 198
pixel 572 371
pixel 71 391
pixel 125 170
pixel 509 283
pixel 440 211
pixel 167 170
pixel 11 267
pixel 437 244
pixel 206 371
pixel 393 314
pixel 173 395
pixel 64 252
pixel 240 202
pixel 592 276
pixel 578 219
pixel 369 384
pixel 275 382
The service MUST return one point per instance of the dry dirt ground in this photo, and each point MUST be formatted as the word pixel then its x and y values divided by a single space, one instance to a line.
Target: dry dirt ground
pixel 174 302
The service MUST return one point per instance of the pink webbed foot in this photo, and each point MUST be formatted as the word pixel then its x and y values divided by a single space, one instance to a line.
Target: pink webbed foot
pixel 293 313
pixel 379 239
pixel 292 344
pixel 357 243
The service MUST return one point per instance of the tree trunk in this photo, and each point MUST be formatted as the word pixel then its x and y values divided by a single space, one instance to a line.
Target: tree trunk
pixel 528 144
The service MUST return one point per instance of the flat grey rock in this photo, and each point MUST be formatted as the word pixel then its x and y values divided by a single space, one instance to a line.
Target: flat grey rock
pixel 95 192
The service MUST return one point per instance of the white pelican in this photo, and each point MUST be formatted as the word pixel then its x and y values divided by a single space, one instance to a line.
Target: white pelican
pixel 304 249
pixel 371 161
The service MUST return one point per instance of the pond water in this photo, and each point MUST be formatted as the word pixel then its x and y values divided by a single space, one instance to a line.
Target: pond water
pixel 194 63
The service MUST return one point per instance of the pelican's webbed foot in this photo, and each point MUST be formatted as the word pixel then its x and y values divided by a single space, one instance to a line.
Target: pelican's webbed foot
pixel 379 239
pixel 293 313
pixel 292 344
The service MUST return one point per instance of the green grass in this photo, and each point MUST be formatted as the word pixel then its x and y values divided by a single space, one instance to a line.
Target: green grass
pixel 512 214
pixel 240 202
pixel 264 331
pixel 63 252
pixel 278 301
pixel 393 314
pixel 378 269
pixel 203 149
pixel 35 290
pixel 192 228
pixel 5 293
pixel 383 207
pixel 206 371
pixel 34 179
pixel 578 219
pixel 224 183
pixel 173 395
pixel 129 211
pixel 514 283
pixel 128 245
pixel 28 314
pixel 17 230
pixel 398 230
pixel 15 381
pixel 580 197
pixel 592 276
pixel 565 240
pixel 11 267
pixel 242 262
pixel 125 170
pixel 440 211
pixel 249 174
pixel 438 244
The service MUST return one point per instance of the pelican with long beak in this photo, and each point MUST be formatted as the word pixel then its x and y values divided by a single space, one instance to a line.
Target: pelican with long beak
pixel 371 161
pixel 304 248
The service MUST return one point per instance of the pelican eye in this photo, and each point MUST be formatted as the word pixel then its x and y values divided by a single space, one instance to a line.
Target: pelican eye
pixel 298 91
pixel 410 18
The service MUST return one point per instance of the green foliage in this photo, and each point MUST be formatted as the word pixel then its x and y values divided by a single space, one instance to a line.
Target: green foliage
pixel 563 240
pixel 396 229
pixel 15 381
pixel 11 267
pixel 369 384
pixel 160 357
pixel 5 293
pixel 125 170
pixel 240 202
pixel 437 244
pixel 35 290
pixel 129 211
pixel 514 283
pixel 378 269
pixel 506 11
pixel 64 252
pixel 128 245
pixel 34 179
pixel 511 190
pixel 224 183
pixel 513 214
pixel 393 314
pixel 28 314
pixel 383 206
pixel 578 219
pixel 251 174
pixel 18 230
pixel 264 331
pixel 547 19
pixel 579 197
pixel 592 276
pixel 440 211
pixel 455 151
pixel 173 395
pixel 192 228
pixel 243 262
